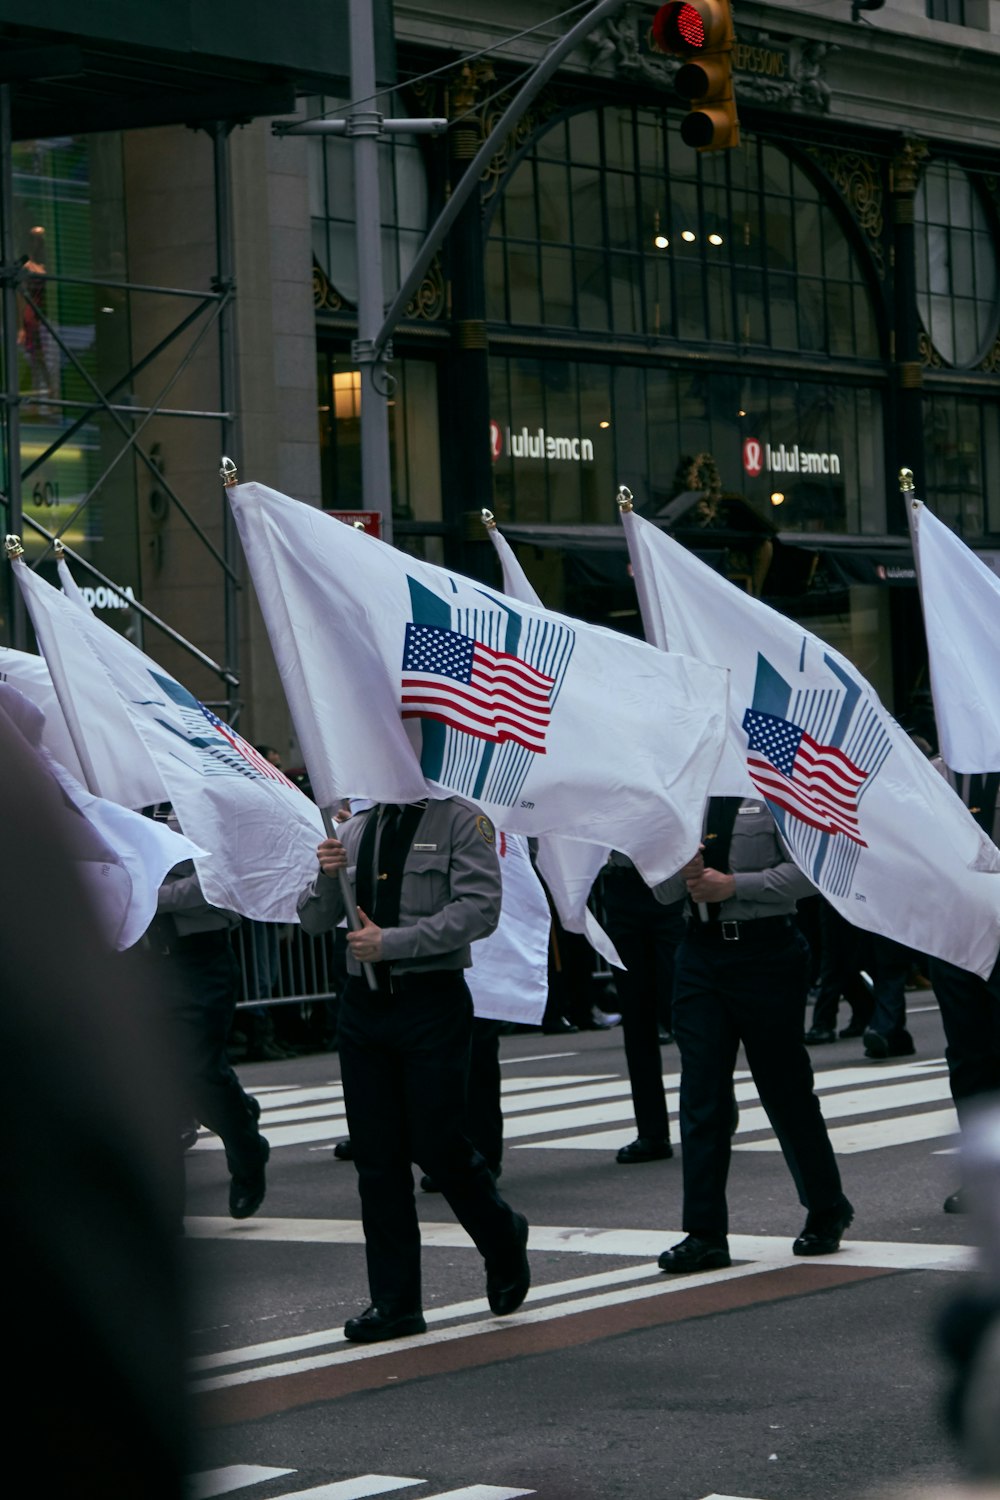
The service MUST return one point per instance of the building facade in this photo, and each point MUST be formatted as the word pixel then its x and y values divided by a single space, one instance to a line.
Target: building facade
pixel 754 341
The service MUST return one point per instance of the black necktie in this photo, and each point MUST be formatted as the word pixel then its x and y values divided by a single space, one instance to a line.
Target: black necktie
pixel 719 826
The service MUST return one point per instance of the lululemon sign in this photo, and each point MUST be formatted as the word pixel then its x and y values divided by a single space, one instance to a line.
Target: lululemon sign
pixel 753 457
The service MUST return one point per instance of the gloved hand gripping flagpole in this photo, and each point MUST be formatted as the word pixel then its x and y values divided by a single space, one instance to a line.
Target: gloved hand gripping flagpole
pixel 624 502
pixel 227 473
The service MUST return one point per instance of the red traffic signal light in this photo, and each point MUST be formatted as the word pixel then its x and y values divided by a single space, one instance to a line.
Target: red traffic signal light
pixel 701 33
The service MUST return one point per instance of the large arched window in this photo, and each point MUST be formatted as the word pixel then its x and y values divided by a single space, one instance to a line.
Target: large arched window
pixel 612 225
pixel 957 283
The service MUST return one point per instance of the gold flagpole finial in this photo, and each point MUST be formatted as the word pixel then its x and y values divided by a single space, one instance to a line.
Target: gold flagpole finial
pixel 624 498
pixel 488 519
pixel 358 525
pixel 58 549
pixel 227 472
pixel 13 548
pixel 906 481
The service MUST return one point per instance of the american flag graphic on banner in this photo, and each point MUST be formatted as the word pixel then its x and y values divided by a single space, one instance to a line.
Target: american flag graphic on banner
pixel 483 683
pixel 813 753
pixel 817 783
pixel 493 695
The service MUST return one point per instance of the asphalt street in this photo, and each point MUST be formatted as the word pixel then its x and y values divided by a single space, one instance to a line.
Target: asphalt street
pixel 779 1379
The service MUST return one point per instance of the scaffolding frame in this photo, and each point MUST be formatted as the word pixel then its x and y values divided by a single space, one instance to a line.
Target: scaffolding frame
pixel 213 312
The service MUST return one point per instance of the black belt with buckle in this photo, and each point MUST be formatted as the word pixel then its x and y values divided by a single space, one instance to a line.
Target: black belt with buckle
pixel 731 930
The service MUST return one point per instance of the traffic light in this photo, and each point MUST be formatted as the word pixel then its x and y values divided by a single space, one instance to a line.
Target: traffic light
pixel 701 33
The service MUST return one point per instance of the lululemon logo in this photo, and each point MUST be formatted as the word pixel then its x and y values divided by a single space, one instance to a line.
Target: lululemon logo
pixel 753 457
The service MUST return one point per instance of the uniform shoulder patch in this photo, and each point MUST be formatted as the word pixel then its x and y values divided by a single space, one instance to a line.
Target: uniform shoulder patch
pixel 485 829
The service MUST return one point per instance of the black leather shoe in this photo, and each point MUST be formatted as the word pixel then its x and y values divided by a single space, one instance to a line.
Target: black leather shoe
pixel 343 1150
pixel 246 1193
pixel 708 1253
pixel 428 1185
pixel 856 1028
pixel 374 1325
pixel 898 1044
pixel 818 1038
pixel 560 1027
pixel 509 1277
pixel 665 1037
pixel 956 1202
pixel 823 1230
pixel 644 1148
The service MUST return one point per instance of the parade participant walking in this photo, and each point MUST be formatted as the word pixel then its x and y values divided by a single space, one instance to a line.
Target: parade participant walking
pixel 427 884
pixel 742 973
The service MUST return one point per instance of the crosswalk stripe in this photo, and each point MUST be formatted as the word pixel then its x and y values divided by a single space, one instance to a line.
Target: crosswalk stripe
pixel 874 1135
pixel 563 1110
pixel 354 1489
pixel 211 1482
pixel 480 1492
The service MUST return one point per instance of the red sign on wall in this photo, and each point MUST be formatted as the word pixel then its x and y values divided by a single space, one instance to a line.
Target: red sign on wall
pixel 753 457
pixel 362 520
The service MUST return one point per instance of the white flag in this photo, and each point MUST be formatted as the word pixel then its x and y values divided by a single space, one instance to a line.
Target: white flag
pixel 509 978
pixel 861 809
pixel 124 857
pixel 406 680
pixel 569 867
pixel 30 675
pixel 961 603
pixel 259 830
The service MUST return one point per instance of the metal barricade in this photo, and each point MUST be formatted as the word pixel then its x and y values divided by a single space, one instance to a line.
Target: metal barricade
pixel 282 965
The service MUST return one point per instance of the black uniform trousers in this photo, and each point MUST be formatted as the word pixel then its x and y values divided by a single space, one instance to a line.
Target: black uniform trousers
pixel 646 934
pixel 752 990
pixel 970 1014
pixel 201 976
pixel 404 1059
pixel 484 1116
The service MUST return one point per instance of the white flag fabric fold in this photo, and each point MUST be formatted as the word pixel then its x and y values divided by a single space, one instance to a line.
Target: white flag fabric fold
pixel 509 978
pixel 30 675
pixel 122 856
pixel 405 680
pixel 156 742
pixel 961 603
pixel 861 809
pixel 569 867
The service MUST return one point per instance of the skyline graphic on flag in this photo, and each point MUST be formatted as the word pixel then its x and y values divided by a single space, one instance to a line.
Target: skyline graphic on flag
pixel 824 797
pixel 817 783
pixel 462 682
pixel 483 682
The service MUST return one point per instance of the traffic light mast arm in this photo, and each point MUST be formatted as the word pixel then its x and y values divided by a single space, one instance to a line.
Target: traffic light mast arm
pixel 469 181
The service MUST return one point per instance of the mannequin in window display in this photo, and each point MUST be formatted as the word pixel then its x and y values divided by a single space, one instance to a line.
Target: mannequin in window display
pixel 33 336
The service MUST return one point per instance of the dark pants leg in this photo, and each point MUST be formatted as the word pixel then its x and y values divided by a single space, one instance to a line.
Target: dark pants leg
pixel 758 995
pixel 404 1063
pixel 202 975
pixel 647 944
pixel 839 972
pixel 708 1042
pixel 484 1117
pixel 970 1014
pixel 890 966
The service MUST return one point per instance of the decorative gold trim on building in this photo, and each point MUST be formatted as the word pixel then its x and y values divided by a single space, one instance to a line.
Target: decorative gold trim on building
pixel 859 182
pixel 907 165
pixel 991 364
pixel 470 333
pixel 326 298
pixel 429 301
pixel 911 375
pixel 929 357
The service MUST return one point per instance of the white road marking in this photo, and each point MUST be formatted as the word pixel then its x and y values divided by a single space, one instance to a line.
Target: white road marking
pixel 212 1482
pixel 354 1489
pixel 480 1492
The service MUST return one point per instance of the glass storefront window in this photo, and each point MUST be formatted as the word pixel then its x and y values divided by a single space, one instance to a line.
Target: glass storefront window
pixel 807 454
pixel 962 448
pixel 74 335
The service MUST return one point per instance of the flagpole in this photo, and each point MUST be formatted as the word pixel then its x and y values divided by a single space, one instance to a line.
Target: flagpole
pixel 15 553
pixel 228 473
pixel 624 501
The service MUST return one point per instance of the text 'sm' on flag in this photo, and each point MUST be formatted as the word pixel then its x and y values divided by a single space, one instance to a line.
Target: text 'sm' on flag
pixel 960 596
pixel 406 680
pixel 861 810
